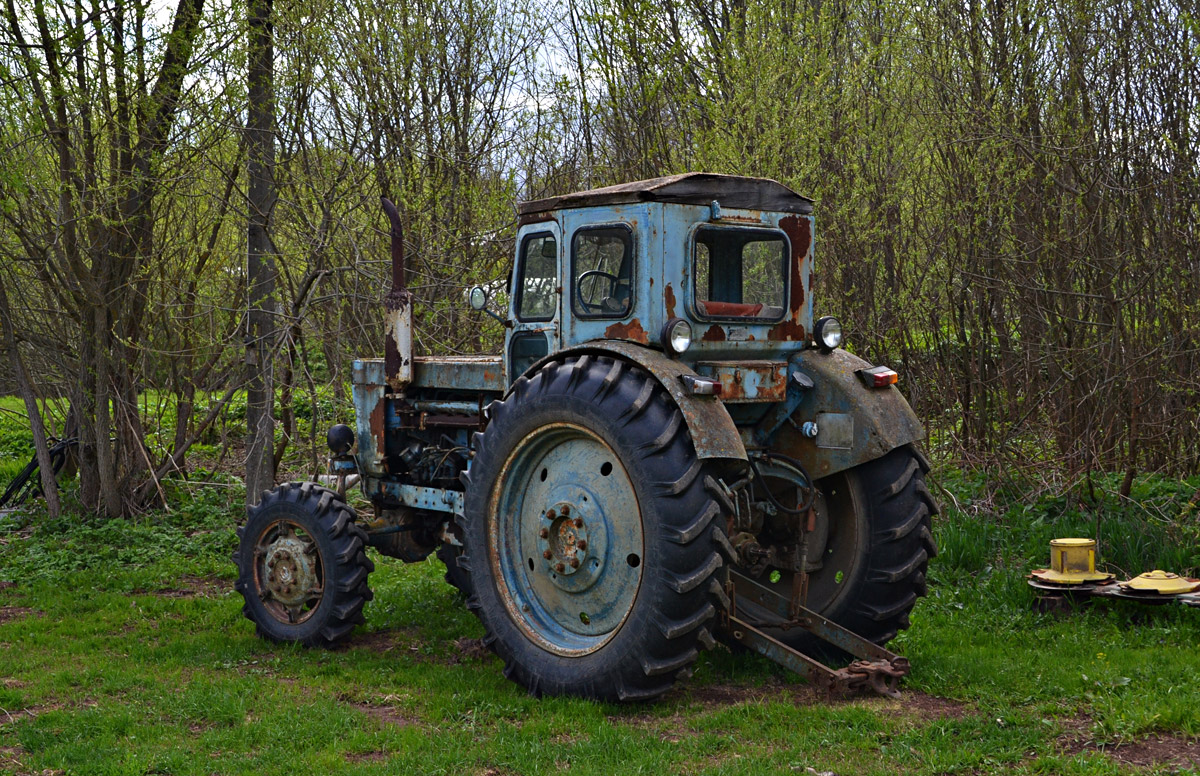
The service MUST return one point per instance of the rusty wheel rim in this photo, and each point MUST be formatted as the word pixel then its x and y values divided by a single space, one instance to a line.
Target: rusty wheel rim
pixel 836 547
pixel 288 573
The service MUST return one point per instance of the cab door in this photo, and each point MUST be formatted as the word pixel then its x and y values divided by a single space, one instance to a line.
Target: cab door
pixel 536 299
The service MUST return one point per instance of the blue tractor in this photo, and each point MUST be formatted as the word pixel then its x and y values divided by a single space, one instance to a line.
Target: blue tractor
pixel 669 451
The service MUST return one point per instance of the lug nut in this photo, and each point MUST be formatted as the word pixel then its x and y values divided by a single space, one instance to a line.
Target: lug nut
pixel 550 514
pixel 574 563
pixel 560 568
pixel 547 554
pixel 544 533
pixel 566 510
pixel 581 544
pixel 579 522
pixel 271 563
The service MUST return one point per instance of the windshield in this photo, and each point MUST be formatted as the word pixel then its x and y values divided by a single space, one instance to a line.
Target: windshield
pixel 740 273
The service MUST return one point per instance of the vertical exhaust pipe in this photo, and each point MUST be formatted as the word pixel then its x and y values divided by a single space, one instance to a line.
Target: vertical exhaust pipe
pixel 398 312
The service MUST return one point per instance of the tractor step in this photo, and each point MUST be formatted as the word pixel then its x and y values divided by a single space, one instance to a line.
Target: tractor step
pixel 876 668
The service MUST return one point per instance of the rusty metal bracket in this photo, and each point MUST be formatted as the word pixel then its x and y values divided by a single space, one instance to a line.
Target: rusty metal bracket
pixel 876 668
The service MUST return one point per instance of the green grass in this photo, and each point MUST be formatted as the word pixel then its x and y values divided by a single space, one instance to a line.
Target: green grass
pixel 16 440
pixel 134 659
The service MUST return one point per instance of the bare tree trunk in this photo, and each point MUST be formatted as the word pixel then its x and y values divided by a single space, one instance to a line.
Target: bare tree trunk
pixel 260 265
pixel 46 469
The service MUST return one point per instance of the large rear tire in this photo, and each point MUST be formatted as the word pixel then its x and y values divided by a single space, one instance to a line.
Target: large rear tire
pixel 302 569
pixel 592 537
pixel 876 542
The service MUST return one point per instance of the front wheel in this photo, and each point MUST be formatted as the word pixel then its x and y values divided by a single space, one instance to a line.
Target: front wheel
pixel 592 537
pixel 302 569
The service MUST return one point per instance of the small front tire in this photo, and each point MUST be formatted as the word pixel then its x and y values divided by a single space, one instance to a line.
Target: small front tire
pixel 302 568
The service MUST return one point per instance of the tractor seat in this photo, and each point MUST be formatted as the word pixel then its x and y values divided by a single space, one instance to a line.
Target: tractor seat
pixel 730 309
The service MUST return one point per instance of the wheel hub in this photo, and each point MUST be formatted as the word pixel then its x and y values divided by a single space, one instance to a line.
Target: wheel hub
pixel 289 573
pixel 569 556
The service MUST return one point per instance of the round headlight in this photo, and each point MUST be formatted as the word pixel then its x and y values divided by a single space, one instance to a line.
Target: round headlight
pixel 828 333
pixel 677 336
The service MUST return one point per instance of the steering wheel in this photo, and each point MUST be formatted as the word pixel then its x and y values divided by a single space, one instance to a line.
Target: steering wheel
pixel 613 282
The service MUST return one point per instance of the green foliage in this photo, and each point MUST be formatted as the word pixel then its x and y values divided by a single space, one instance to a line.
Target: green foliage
pixel 1010 527
pixel 16 440
pixel 193 537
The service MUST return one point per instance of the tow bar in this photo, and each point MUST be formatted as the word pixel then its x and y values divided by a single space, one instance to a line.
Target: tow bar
pixel 876 668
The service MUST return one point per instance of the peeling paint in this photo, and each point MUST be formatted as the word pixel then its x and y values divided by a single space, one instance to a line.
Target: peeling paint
pixel 792 328
pixel 669 301
pixel 631 331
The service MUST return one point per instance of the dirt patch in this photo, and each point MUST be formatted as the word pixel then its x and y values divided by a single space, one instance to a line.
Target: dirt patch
pixel 387 715
pixel 11 756
pixel 916 705
pixel 366 757
pixel 711 697
pixel 673 727
pixel 192 587
pixel 10 613
pixel 380 641
pixel 1156 751
pixel 9 717
pixel 470 649
pixel 7 585
pixel 407 642
pixel 931 706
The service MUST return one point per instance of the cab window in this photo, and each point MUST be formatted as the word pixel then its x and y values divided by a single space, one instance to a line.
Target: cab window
pixel 602 272
pixel 740 273
pixel 536 288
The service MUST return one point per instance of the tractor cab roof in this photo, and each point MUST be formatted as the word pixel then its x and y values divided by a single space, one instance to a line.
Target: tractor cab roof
pixel 691 188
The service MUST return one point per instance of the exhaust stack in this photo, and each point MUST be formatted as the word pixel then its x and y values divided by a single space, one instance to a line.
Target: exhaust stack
pixel 398 312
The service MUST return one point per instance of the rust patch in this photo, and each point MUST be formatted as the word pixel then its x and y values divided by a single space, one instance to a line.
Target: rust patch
pixel 392 359
pixel 535 218
pixel 754 381
pixel 714 334
pixel 669 300
pixel 799 232
pixel 628 331
pixel 379 426
pixel 787 330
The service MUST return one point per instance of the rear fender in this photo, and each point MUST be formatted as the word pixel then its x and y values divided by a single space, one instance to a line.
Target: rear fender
pixel 712 430
pixel 855 424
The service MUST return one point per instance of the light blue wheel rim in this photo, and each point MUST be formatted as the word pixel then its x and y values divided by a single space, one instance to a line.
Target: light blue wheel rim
pixel 563 608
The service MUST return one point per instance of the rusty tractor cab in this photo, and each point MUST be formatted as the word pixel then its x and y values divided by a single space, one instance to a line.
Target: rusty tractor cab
pixel 669 450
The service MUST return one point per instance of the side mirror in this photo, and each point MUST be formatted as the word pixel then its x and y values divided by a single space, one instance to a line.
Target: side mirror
pixel 477 298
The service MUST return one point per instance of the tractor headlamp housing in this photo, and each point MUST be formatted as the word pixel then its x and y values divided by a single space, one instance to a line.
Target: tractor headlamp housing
pixel 677 336
pixel 828 333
